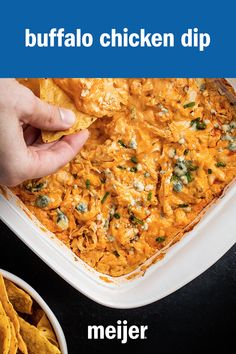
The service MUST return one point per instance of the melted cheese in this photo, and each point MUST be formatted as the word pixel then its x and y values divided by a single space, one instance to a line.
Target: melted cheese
pixel 158 156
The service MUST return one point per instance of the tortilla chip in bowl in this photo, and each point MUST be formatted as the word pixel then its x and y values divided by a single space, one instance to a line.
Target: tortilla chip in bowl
pixel 27 325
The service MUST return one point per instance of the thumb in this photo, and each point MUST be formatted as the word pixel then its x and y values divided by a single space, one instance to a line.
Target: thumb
pixel 49 117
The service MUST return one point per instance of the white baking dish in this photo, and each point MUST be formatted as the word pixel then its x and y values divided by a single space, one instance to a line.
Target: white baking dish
pixel 184 261
pixel 37 298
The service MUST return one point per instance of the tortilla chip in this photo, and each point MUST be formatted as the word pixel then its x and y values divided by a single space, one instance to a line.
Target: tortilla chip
pixel 11 313
pixel 53 94
pixel 20 300
pixel 36 342
pixel 46 330
pixel 14 342
pixel 36 316
pixel 5 332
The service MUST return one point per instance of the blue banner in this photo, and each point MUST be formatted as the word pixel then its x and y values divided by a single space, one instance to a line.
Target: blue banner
pixel 118 39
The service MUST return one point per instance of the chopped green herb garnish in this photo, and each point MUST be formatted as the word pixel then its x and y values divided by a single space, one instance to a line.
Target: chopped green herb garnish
pixel 160 239
pixel 116 253
pixel 105 197
pixel 174 178
pixel 198 123
pixel 186 151
pixel 121 167
pixel 189 177
pixel 122 143
pixel 195 121
pixel 190 166
pixel 149 196
pixel 117 216
pixel 201 126
pixel 220 164
pixel 35 187
pixel 209 171
pixel 135 220
pixel 133 169
pixel 189 105
pixel 87 183
pixel 183 205
pixel 134 159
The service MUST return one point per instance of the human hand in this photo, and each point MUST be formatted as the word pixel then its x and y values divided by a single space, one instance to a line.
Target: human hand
pixel 23 155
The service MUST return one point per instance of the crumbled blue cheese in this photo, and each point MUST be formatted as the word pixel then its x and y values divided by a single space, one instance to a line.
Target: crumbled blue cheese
pixel 139 186
pixel 192 95
pixel 82 207
pixel 149 187
pixel 139 167
pixel 112 211
pixel 232 146
pixel 168 179
pixel 146 174
pixel 99 217
pixel 114 145
pixel 233 124
pixel 184 179
pixel 181 141
pixel 84 93
pixel 226 127
pixel 106 224
pixel 110 238
pixel 164 110
pixel 178 186
pixel 172 153
pixel 181 158
pixel 132 202
pixel 133 143
pixel 180 169
pixel 227 137
pixel 188 209
pixel 62 220
pixel 145 227
pixel 107 172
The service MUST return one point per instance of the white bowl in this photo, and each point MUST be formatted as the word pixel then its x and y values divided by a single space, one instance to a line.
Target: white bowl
pixel 38 299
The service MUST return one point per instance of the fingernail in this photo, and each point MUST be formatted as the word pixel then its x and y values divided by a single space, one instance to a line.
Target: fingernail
pixel 67 116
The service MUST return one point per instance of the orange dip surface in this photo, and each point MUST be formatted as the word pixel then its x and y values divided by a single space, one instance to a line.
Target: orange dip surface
pixel 160 151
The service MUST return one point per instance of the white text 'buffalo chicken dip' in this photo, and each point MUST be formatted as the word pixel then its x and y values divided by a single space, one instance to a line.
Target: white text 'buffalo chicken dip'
pixel 160 151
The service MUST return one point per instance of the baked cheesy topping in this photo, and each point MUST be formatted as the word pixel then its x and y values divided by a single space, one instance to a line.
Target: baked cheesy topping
pixel 159 153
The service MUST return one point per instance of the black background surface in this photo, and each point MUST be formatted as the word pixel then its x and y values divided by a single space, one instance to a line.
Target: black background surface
pixel 199 317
